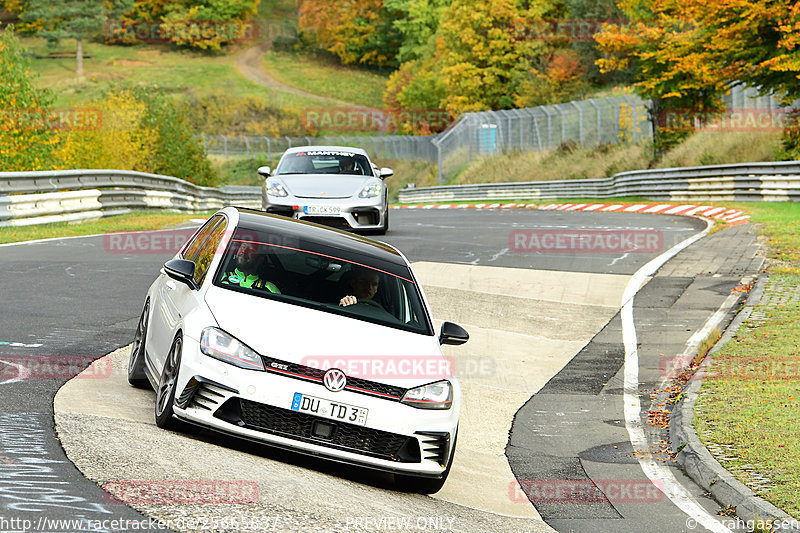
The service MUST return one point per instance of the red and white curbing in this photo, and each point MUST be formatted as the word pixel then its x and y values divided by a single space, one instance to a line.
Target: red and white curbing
pixel 730 216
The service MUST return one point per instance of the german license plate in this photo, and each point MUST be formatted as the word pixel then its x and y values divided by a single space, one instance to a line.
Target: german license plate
pixel 328 409
pixel 322 210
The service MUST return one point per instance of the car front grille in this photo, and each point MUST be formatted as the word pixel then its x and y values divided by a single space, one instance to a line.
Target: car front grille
pixel 357 385
pixel 301 426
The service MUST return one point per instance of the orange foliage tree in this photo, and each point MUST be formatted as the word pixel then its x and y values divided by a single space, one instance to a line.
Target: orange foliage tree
pixel 357 31
pixel 686 54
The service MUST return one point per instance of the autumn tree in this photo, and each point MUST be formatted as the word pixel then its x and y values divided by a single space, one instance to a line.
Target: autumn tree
pixel 486 50
pixel 685 55
pixel 26 139
pixel 355 31
pixel 71 19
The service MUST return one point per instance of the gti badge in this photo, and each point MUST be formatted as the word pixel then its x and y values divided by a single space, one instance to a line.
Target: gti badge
pixel 334 380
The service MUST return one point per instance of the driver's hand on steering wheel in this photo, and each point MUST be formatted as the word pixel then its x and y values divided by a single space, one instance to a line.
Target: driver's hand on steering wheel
pixel 348 300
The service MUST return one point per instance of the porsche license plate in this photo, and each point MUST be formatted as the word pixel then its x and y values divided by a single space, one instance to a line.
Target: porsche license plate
pixel 322 210
pixel 328 409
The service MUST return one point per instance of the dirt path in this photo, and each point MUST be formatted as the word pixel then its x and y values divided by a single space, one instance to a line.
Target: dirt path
pixel 249 63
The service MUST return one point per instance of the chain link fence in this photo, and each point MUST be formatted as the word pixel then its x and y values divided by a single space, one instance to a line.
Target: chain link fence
pixel 378 147
pixel 602 121
pixel 586 123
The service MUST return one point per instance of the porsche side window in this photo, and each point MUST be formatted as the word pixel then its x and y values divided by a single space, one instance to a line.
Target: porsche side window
pixel 207 250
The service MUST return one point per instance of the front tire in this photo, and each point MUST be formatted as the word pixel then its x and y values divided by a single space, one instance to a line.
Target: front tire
pixel 136 363
pixel 165 394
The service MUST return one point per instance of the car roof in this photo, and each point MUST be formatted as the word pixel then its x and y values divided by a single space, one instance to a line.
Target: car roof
pixel 322 239
pixel 326 148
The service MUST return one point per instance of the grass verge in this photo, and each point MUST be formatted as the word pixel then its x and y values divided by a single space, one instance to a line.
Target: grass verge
pixel 571 161
pixel 180 72
pixel 326 77
pixel 748 404
pixel 136 221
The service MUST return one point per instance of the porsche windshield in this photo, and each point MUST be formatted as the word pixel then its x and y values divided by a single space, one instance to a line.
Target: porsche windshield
pixel 325 162
pixel 287 269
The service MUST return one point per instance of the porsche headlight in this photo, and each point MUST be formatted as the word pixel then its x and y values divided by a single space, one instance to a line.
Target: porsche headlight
pixel 276 189
pixel 437 395
pixel 219 345
pixel 370 191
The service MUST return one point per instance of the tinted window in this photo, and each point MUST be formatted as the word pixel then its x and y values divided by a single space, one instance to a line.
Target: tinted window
pixel 325 162
pixel 286 268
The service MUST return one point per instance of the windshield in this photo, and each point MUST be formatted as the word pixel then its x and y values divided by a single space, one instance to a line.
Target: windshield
pixel 273 266
pixel 325 162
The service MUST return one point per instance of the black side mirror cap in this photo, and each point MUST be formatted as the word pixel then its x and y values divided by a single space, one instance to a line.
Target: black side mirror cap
pixel 453 334
pixel 181 270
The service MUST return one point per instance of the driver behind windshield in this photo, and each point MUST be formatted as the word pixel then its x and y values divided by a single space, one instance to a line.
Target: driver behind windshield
pixel 362 286
pixel 347 165
pixel 247 269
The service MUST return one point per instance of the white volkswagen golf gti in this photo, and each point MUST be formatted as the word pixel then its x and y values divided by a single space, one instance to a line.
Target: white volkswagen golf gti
pixel 302 337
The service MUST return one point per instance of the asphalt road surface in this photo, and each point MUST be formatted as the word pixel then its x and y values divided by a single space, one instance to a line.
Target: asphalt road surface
pixel 78 299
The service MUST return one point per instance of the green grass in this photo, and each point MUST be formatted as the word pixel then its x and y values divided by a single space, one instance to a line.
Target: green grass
pixel 751 398
pixel 781 225
pixel 324 76
pixel 181 72
pixel 136 221
pixel 752 404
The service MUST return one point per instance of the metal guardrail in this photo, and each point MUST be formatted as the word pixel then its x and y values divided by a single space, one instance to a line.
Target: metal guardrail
pixel 28 198
pixel 749 181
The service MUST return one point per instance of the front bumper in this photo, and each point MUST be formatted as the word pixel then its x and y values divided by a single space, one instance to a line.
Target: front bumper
pixel 257 406
pixel 366 214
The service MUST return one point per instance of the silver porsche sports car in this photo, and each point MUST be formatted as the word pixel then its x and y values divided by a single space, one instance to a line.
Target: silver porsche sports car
pixel 336 186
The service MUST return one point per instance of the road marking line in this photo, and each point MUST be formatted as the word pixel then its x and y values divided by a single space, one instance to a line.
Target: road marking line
pixel 660 475
pixel 22 373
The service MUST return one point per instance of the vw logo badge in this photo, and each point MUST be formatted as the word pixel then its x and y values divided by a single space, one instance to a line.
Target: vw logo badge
pixel 334 380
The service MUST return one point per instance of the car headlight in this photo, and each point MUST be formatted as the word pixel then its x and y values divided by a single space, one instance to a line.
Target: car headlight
pixel 276 189
pixel 437 395
pixel 219 345
pixel 370 191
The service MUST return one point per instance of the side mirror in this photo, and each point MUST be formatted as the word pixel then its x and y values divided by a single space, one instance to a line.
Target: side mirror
pixel 453 334
pixel 265 171
pixel 181 270
pixel 386 172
